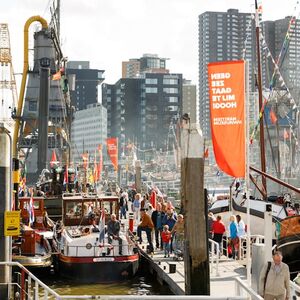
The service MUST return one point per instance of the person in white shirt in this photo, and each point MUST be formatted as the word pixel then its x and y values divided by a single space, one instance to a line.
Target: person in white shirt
pixel 241 226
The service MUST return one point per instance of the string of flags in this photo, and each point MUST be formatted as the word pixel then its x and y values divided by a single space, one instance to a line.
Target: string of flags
pixel 276 74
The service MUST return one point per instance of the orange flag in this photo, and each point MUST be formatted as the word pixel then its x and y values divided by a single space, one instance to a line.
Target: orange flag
pixel 285 134
pixel 53 158
pixel 57 76
pixel 112 150
pixel 85 158
pixel 206 153
pixel 273 117
pixel 227 115
pixel 99 171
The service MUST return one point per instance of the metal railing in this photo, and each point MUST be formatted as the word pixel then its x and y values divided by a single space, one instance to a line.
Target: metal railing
pixel 242 288
pixel 214 256
pixel 24 285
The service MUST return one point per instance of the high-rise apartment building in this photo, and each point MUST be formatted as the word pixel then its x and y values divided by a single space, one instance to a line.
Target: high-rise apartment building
pixel 286 45
pixel 84 83
pixel 223 36
pixel 231 36
pixel 141 110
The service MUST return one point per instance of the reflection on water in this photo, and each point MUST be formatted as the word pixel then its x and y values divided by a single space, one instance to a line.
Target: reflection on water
pixel 142 284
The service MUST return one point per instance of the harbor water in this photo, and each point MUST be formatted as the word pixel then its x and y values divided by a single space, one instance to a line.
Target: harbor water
pixel 143 283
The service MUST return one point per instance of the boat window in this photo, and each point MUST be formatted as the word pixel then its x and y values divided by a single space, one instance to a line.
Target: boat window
pixel 73 209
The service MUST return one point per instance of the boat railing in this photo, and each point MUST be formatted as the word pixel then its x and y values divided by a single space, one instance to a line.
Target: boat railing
pixel 100 250
pixel 214 256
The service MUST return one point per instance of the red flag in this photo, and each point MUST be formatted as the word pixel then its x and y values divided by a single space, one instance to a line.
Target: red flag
pixel 85 158
pixel 53 159
pixel 112 150
pixel 100 162
pixel 95 169
pixel 227 111
pixel 206 153
pixel 285 134
pixel 273 117
pixel 66 175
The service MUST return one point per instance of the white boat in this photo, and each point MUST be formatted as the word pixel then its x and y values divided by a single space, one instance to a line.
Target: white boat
pixel 84 256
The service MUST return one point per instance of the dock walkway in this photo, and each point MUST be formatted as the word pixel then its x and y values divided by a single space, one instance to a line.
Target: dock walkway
pixel 164 269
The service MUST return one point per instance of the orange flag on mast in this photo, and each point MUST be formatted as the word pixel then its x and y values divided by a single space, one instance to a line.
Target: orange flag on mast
pixel 227 115
pixel 99 171
pixel 112 150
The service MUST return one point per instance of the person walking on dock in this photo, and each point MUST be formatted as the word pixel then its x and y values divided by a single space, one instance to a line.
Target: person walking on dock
pixel 170 219
pixel 113 231
pixel 123 204
pixel 241 226
pixel 136 206
pixel 147 226
pixel 178 232
pixel 234 239
pixel 218 229
pixel 274 280
pixel 166 238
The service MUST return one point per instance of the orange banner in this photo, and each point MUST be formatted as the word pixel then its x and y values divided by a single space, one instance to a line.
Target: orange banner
pixel 112 151
pixel 100 165
pixel 227 115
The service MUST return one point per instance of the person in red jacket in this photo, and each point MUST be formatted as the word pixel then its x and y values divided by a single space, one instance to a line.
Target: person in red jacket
pixel 218 229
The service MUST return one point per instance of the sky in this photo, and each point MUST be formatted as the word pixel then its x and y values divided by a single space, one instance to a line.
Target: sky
pixel 107 32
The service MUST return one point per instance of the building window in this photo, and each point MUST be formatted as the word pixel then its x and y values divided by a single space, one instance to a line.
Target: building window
pixel 171 90
pixel 32 106
pixel 170 81
pixel 151 90
pixel 173 99
pixel 151 80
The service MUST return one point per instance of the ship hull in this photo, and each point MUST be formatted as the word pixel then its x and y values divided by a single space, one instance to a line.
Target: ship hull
pixel 98 269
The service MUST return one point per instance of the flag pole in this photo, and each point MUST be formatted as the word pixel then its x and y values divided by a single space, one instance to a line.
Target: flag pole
pixel 247 175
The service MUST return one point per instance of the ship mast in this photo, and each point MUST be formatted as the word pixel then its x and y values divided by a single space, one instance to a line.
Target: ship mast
pixel 260 99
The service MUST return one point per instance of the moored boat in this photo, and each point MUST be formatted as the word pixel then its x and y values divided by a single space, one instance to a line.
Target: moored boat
pixel 288 243
pixel 84 255
pixel 35 246
pixel 237 204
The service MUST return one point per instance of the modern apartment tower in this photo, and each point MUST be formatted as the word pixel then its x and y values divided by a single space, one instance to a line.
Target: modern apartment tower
pixel 223 36
pixel 84 83
pixel 231 36
pixel 141 110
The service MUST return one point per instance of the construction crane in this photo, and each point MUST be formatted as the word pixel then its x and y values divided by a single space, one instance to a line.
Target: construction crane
pixel 8 87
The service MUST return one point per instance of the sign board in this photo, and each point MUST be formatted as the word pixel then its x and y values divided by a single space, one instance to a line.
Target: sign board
pixel 227 114
pixel 12 223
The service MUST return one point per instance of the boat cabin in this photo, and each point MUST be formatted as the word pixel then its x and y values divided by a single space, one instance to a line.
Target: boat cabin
pixel 81 209
pixel 39 212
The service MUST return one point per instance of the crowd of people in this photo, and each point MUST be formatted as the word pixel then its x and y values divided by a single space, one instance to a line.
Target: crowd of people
pixel 235 231
pixel 156 217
